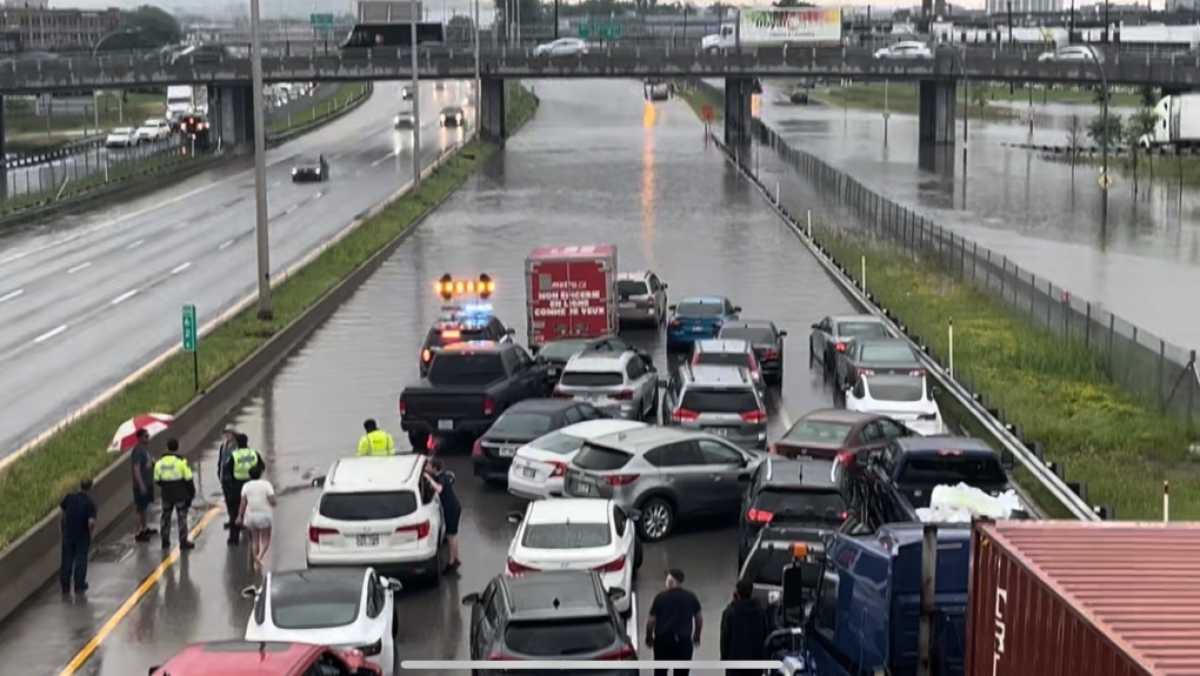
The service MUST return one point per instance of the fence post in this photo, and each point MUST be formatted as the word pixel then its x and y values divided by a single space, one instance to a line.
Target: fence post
pixel 1087 326
pixel 1112 322
pixel 1191 396
pixel 1066 306
pixel 1049 302
pixel 1162 357
pixel 1003 274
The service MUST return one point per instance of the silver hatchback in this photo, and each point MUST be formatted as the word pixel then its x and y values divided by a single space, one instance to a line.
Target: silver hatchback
pixel 622 384
pixel 722 400
pixel 664 474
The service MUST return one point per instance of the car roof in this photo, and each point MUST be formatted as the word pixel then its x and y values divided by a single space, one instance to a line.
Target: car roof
pixel 553 594
pixel 240 658
pixel 643 439
pixel 782 472
pixel 840 415
pixel 943 442
pixel 568 510
pixel 718 375
pixel 722 345
pixel 597 360
pixel 749 324
pixel 635 276
pixel 837 319
pixel 591 429
pixel 540 406
pixel 374 473
pixel 701 300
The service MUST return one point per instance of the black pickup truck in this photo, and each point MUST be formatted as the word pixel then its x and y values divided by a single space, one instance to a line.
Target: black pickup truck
pixel 467 387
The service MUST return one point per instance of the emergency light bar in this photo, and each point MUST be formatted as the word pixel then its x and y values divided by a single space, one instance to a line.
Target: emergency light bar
pixel 448 287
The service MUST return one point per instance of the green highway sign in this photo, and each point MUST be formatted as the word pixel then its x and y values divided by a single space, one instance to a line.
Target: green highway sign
pixel 324 21
pixel 603 31
pixel 189 328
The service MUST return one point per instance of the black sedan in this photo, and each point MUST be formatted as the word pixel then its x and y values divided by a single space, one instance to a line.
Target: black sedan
pixel 767 341
pixel 877 356
pixel 452 116
pixel 311 170
pixel 523 422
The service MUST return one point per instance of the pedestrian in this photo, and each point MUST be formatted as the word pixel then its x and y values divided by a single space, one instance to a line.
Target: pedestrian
pixel 243 459
pixel 744 629
pixel 255 514
pixel 674 626
pixel 78 524
pixel 174 478
pixel 225 475
pixel 442 482
pixel 375 441
pixel 143 483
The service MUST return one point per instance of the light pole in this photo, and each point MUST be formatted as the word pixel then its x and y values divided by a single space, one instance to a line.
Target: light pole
pixel 1103 116
pixel 132 30
pixel 478 79
pixel 416 89
pixel 260 169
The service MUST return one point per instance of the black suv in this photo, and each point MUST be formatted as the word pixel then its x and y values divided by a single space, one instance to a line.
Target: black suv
pixel 798 493
pixel 562 615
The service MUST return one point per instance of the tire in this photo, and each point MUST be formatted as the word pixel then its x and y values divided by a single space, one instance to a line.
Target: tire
pixel 658 519
pixel 418 440
pixel 812 357
pixel 651 416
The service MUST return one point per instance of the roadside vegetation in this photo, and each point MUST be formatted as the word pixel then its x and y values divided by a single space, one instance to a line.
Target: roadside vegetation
pixel 319 107
pixel 902 98
pixel 28 132
pixel 33 485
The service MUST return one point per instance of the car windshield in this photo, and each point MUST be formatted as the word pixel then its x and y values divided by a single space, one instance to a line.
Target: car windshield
pixel 817 431
pixel 450 111
pixel 122 130
pixel 699 309
pixel 631 287
pixel 557 442
pixel 557 638
pixel 749 334
pixel 801 504
pixel 861 330
pixel 592 379
pixel 521 425
pixel 299 603
pixel 719 401
pixel 887 352
pixel 566 535
pixel 973 470
pixel 723 358
pixel 368 506
pixel 562 350
pixel 466 369
pixel 907 389
pixel 600 458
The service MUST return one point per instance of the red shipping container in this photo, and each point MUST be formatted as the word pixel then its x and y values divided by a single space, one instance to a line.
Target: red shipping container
pixel 571 292
pixel 1086 599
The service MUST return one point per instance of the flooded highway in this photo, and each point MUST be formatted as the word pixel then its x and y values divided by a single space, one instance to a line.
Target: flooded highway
pixel 1139 258
pixel 597 164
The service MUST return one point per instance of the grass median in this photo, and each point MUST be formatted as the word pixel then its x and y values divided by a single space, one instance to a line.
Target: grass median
pixel 319 108
pixel 33 485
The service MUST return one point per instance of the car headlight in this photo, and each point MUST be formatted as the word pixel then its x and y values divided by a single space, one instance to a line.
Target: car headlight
pixel 295 171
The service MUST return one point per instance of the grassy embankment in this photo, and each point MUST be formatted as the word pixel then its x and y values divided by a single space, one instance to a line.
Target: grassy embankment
pixel 317 108
pixel 34 484
pixel 26 132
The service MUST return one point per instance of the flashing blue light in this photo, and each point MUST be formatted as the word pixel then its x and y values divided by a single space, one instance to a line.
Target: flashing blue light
pixel 478 310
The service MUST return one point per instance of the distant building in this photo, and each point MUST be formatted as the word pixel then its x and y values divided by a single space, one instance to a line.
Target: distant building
pixel 1183 5
pixel 1019 7
pixel 42 29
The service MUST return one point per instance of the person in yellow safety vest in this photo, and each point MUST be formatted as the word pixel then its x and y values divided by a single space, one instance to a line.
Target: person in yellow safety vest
pixel 174 478
pixel 243 459
pixel 375 441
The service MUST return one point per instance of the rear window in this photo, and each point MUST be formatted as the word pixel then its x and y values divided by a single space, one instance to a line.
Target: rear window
pixel 524 425
pixel 554 638
pixel 911 389
pixel 748 334
pixel 948 469
pixel 719 401
pixel 887 352
pixel 862 330
pixel 699 309
pixel 566 535
pixel 802 505
pixel 557 442
pixel 723 358
pixel 449 368
pixel 592 379
pixel 629 287
pixel 297 604
pixel 368 506
pixel 816 431
pixel 600 458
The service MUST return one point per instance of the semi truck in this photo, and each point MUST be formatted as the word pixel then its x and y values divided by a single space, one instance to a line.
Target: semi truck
pixel 186 100
pixel 776 27
pixel 570 292
pixel 1177 122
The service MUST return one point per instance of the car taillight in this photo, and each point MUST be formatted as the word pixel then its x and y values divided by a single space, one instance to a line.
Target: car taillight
pixel 839 346
pixel 772 449
pixel 845 458
pixel 426 355
pixel 754 417
pixel 696 359
pixel 421 529
pixel 477 449
pixel 864 372
pixel 515 568
pixel 403 407
pixel 675 323
pixel 612 566
pixel 684 415
pixel 560 468
pixel 315 533
pixel 917 373
pixel 489 406
pixel 759 516
pixel 620 479
pixel 623 395
pixel 625 652
pixel 770 354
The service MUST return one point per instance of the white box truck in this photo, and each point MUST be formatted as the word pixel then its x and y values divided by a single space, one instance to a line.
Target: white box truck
pixel 1178 122
pixel 778 26
pixel 186 100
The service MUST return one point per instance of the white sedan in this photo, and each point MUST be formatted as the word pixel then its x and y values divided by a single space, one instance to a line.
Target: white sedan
pixel 121 137
pixel 562 47
pixel 578 534
pixel 1066 54
pixel 339 607
pixel 539 466
pixel 155 129
pixel 909 49
pixel 907 399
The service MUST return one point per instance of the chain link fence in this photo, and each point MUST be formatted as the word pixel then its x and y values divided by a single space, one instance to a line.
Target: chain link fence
pixel 89 166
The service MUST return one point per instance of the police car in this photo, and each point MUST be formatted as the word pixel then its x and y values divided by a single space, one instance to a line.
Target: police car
pixel 462 323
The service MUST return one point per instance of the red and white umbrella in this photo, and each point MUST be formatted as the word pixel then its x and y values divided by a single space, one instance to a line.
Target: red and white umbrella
pixel 126 436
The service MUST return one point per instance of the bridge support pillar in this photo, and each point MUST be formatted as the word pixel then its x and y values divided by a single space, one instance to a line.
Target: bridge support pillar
pixel 3 154
pixel 738 93
pixel 936 112
pixel 231 113
pixel 493 126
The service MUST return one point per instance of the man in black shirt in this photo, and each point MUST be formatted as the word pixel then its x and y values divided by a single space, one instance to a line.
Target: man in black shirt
pixel 143 483
pixel 78 522
pixel 744 629
pixel 674 626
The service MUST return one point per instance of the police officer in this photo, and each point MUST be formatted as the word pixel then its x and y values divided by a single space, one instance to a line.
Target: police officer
pixel 225 474
pixel 375 441
pixel 174 478
pixel 243 460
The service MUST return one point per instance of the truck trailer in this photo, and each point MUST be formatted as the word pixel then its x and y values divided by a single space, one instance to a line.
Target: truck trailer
pixel 571 292
pixel 1177 122
pixel 777 26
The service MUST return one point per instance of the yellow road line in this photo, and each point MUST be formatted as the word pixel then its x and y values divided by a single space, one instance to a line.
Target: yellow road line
pixel 144 588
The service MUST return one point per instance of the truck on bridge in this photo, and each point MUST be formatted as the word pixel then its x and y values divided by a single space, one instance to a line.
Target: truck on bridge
pixel 778 26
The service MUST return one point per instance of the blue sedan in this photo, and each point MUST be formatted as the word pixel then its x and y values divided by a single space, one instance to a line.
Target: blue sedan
pixel 698 318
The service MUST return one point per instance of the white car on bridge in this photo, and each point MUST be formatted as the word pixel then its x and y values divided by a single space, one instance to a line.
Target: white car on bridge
pixel 155 129
pixel 909 49
pixel 1064 54
pixel 562 47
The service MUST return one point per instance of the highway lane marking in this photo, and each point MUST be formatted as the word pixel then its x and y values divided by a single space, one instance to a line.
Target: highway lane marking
pixel 81 266
pixel 50 334
pixel 295 206
pixel 225 245
pixel 383 159
pixel 184 266
pixel 124 297
pixel 141 241
pixel 11 295
pixel 138 594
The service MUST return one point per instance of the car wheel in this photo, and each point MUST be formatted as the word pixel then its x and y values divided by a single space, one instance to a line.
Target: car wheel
pixel 658 518
pixel 652 413
pixel 418 440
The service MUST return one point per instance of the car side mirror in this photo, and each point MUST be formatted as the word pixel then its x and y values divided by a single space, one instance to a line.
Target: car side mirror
pixel 153 669
pixel 393 584
pixel 515 517
pixel 737 308
pixel 783 334
pixel 934 391
pixel 665 286
pixel 816 327
pixel 616 594
pixel 672 307
pixel 249 592
pixel 471 599
pixel 319 482
pixel 664 382
pixel 511 332
pixel 634 514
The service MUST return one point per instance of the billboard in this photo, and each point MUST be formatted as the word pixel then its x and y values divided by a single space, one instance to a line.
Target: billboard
pixel 791 25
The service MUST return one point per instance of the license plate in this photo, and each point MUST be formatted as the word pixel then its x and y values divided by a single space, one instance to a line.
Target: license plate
pixel 583 488
pixel 445 424
pixel 719 431
pixel 529 473
pixel 506 451
pixel 367 540
pixel 552 371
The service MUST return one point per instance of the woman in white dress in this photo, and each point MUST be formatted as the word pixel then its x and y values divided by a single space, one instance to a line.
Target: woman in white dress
pixel 258 502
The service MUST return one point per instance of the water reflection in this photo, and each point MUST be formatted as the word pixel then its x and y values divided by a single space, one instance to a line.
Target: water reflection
pixel 648 162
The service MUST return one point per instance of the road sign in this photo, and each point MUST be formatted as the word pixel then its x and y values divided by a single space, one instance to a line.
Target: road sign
pixel 189 328
pixel 1105 181
pixel 603 31
pixel 321 21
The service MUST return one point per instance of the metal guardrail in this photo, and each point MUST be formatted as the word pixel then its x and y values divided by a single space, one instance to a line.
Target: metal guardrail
pixel 43 156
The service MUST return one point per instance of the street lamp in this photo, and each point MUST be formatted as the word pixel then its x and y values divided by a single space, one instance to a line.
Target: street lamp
pixel 260 169
pixel 128 30
pixel 1103 116
pixel 478 79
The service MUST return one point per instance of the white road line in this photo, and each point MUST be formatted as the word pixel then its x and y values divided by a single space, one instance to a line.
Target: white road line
pixel 124 297
pixel 135 244
pixel 50 334
pixel 77 268
pixel 295 206
pixel 321 193
pixel 11 295
pixel 381 160
pixel 225 245
pixel 181 267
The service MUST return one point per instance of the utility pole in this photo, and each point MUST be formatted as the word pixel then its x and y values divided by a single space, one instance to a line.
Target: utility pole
pixel 260 169
pixel 1071 25
pixel 478 79
pixel 556 18
pixel 416 90
pixel 1010 26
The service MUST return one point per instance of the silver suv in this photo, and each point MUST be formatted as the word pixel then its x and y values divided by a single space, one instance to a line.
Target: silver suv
pixel 729 352
pixel 622 384
pixel 664 473
pixel 643 298
pixel 722 400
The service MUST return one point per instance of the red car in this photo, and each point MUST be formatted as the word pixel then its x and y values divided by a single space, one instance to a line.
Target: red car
pixel 831 432
pixel 252 658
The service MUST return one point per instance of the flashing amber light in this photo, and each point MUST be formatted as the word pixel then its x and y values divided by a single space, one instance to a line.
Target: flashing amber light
pixel 447 287
pixel 799 550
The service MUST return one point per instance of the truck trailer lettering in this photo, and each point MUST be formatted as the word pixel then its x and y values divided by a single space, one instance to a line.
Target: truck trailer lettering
pixel 1000 629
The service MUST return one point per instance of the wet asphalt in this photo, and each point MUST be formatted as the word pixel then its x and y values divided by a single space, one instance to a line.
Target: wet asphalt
pixel 597 164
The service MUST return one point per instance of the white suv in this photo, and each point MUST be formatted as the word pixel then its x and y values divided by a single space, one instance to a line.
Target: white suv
pixel 622 384
pixel 377 511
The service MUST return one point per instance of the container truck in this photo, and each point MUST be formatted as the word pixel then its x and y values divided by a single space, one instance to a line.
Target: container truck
pixel 571 292
pixel 1177 122
pixel 185 100
pixel 776 27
